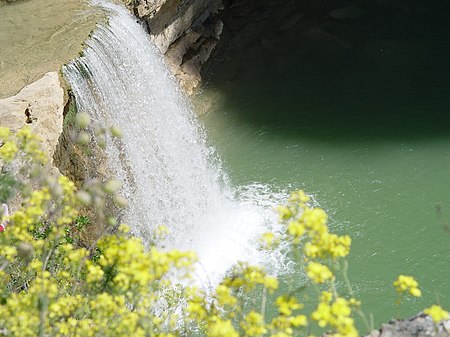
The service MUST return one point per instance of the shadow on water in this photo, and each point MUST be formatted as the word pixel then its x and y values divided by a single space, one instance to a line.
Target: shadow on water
pixel 382 76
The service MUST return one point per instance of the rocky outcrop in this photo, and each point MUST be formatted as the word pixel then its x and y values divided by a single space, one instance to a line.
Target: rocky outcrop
pixel 418 326
pixel 186 32
pixel 39 105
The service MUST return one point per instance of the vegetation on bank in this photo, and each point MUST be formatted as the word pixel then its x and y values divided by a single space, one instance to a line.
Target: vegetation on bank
pixel 55 284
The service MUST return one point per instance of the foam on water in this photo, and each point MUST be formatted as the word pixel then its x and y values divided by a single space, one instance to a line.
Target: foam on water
pixel 171 177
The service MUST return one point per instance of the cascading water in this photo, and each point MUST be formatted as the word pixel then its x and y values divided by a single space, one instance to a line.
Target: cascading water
pixel 170 175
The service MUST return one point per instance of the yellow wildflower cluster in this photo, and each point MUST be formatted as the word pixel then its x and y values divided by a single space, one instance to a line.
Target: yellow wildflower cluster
pixel 53 288
pixel 253 324
pixel 24 142
pixel 227 305
pixel 287 320
pixel 336 315
pixel 30 145
pixel 310 224
pixel 8 151
pixel 436 313
pixel 118 287
pixel 287 304
pixel 128 268
pixel 408 284
pixel 319 273
pixel 247 277
pixel 117 295
pixel 221 328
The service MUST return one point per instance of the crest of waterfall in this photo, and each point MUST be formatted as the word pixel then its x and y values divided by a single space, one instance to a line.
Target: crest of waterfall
pixel 170 175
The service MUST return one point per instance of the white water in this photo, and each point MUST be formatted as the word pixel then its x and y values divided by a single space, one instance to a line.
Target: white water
pixel 170 175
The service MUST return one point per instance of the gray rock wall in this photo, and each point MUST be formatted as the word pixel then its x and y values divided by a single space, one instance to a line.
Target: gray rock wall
pixel 418 326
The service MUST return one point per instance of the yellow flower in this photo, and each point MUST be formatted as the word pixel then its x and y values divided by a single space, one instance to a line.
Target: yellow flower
pixel 299 320
pixel 8 151
pixel 284 212
pixel 221 328
pixel 4 133
pixel 315 219
pixel 322 314
pixel 436 313
pixel 95 273
pixel 337 315
pixel 286 304
pixel 299 197
pixel 8 252
pixel 253 324
pixel 296 229
pixel 224 296
pixel 407 284
pixel 318 272
pixel 326 297
pixel 124 228
pixel 340 308
pixel 268 239
pixel 271 283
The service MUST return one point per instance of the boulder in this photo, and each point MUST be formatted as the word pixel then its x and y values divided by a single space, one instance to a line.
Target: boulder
pixel 39 105
pixel 418 326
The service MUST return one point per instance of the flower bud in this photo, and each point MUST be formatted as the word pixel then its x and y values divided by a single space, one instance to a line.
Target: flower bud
pixel 84 197
pixel 111 221
pixel 116 132
pixel 120 201
pixel 25 250
pixel 101 141
pixel 112 186
pixel 82 120
pixel 83 138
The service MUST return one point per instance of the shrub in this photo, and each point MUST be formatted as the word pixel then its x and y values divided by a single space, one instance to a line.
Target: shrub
pixel 53 286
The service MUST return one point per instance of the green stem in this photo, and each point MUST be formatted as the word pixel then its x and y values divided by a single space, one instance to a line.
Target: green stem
pixel 345 277
pixel 361 314
pixel 263 303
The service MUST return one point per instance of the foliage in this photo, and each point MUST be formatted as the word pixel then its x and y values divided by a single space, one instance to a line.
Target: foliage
pixel 7 186
pixel 53 286
pixel 71 112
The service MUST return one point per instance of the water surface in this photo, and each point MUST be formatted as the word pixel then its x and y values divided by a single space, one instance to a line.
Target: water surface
pixel 357 114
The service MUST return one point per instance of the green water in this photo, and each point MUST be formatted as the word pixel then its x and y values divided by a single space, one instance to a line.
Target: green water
pixel 362 123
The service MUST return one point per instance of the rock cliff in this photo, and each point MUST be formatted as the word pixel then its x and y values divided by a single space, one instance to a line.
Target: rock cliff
pixel 186 32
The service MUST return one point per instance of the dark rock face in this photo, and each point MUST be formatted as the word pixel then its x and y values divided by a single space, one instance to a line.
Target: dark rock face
pixel 418 326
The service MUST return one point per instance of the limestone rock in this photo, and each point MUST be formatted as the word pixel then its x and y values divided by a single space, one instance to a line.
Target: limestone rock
pixel 186 31
pixel 174 18
pixel 39 105
pixel 418 326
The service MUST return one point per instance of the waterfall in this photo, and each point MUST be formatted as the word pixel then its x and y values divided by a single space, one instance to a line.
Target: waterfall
pixel 171 177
